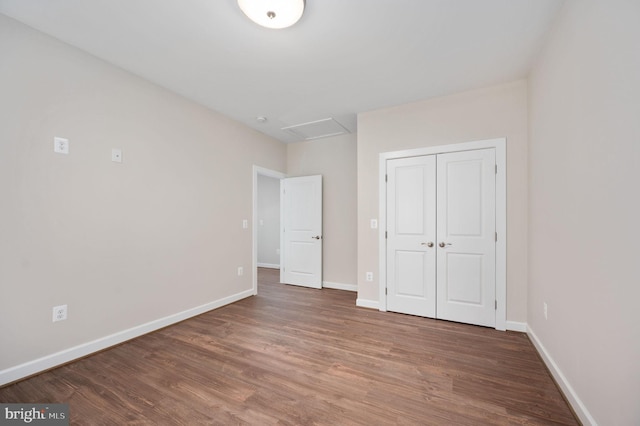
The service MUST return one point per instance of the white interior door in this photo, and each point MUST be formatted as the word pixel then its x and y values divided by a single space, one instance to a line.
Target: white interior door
pixel 411 235
pixel 466 259
pixel 441 223
pixel 302 231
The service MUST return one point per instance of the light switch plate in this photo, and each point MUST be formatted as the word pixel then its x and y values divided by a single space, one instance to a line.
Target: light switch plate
pixel 374 223
pixel 116 155
pixel 61 145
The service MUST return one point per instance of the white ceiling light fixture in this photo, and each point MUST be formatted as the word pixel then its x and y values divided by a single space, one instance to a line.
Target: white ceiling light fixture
pixel 273 13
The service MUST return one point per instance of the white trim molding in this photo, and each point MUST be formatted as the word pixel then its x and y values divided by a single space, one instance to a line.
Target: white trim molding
pixel 339 286
pixel 517 326
pixel 39 365
pixel 268 265
pixel 576 403
pixel 500 145
pixel 370 304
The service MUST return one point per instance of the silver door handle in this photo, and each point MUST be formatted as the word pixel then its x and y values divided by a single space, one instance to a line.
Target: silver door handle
pixel 443 244
pixel 429 244
pixel 317 237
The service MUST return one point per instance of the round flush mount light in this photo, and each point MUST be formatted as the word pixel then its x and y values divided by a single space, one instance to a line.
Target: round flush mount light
pixel 273 13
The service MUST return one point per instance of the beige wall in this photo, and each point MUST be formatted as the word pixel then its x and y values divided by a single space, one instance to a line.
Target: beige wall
pixel 335 159
pixel 121 244
pixel 476 115
pixel 585 205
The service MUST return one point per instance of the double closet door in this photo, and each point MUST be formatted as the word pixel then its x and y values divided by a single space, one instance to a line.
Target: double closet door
pixel 441 231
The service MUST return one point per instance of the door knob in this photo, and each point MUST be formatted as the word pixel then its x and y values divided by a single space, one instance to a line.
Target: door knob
pixel 429 244
pixel 317 237
pixel 443 244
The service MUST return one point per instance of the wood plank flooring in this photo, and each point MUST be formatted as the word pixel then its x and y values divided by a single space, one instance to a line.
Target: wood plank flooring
pixel 297 356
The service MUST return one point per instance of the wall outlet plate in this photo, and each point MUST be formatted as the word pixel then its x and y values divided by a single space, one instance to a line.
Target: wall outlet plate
pixel 59 313
pixel 61 145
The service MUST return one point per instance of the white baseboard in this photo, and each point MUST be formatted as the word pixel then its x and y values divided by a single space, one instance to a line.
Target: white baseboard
pixel 576 403
pixel 268 265
pixel 53 360
pixel 339 286
pixel 364 303
pixel 517 326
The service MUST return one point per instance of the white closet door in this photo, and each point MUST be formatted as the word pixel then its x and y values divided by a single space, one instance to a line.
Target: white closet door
pixel 411 227
pixel 466 257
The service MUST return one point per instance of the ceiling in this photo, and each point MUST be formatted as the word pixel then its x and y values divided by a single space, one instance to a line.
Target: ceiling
pixel 342 58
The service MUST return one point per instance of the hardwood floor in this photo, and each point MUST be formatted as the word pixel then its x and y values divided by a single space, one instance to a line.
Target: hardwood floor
pixel 297 356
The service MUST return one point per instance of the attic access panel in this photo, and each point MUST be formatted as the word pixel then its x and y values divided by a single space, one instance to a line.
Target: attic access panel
pixel 316 129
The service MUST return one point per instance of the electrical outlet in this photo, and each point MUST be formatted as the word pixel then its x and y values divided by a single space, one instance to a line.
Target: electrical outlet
pixel 61 145
pixel 240 271
pixel 544 306
pixel 369 276
pixel 59 313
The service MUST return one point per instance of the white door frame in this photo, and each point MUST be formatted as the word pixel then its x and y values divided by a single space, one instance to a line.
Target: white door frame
pixel 257 170
pixel 500 145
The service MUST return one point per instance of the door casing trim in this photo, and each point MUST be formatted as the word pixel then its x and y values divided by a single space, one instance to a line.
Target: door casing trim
pixel 500 146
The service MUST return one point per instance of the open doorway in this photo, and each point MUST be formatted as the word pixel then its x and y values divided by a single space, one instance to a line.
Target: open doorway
pixel 268 229
pixel 266 221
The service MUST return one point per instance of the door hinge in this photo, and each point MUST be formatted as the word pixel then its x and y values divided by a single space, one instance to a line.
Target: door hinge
pixel 496 236
pixel 386 178
pixel 496 169
pixel 385 235
pixel 385 290
pixel 496 304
